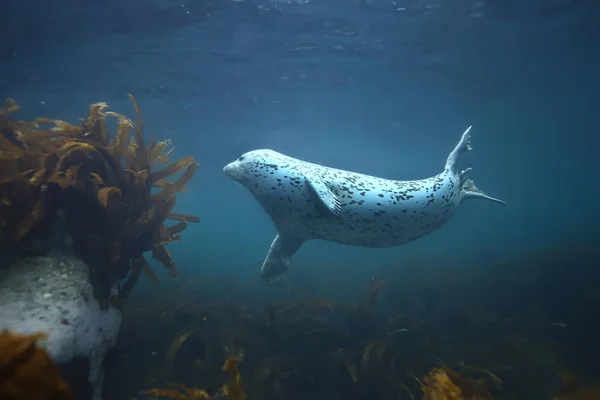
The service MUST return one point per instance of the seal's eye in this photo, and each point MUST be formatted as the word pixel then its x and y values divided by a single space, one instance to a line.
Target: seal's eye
pixel 241 158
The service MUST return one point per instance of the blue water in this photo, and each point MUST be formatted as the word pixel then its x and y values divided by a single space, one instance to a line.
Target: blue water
pixel 380 87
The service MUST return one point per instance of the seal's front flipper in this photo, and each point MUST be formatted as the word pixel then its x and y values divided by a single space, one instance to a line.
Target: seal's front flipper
pixel 323 193
pixel 277 262
pixel 470 191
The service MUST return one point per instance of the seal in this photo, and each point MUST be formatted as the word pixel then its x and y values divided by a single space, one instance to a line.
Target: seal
pixel 311 201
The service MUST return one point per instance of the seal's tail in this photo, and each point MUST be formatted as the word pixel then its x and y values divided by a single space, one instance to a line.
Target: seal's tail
pixel 463 146
pixel 468 188
pixel 470 191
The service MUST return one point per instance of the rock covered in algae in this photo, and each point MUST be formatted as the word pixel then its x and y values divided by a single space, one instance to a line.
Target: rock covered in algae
pixel 54 295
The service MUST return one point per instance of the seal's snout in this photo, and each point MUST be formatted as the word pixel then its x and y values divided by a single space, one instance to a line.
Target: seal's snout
pixel 229 170
pixel 232 171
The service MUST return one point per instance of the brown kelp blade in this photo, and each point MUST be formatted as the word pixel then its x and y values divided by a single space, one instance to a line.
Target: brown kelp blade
pixel 23 362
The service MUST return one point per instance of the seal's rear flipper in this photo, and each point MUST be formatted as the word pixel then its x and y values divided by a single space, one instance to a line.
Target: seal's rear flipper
pixel 463 145
pixel 468 188
pixel 277 262
pixel 470 191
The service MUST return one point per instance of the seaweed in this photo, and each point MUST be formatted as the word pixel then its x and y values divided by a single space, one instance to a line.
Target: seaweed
pixel 179 392
pixel 573 390
pixel 26 370
pixel 233 390
pixel 176 344
pixel 451 341
pixel 100 189
pixel 443 383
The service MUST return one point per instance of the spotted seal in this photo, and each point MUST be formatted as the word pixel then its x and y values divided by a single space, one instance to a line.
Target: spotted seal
pixel 311 201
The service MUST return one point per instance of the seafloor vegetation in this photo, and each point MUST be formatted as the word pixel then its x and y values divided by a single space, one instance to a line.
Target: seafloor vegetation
pixel 513 330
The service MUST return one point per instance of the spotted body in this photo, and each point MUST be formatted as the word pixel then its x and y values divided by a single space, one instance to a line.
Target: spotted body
pixel 311 201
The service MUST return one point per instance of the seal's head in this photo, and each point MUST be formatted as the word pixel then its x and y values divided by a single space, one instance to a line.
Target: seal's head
pixel 245 166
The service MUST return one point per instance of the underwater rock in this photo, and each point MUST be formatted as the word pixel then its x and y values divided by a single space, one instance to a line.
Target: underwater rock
pixel 54 294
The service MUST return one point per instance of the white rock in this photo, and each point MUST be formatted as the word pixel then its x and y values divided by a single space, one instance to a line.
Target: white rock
pixel 35 296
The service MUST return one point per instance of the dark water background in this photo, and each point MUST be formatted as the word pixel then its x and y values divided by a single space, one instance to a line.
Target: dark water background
pixel 380 87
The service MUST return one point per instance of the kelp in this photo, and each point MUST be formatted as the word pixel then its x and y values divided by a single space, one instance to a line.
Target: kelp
pixel 179 392
pixel 443 383
pixel 591 393
pixel 26 370
pixel 573 389
pixel 176 344
pixel 102 187
pixel 233 389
